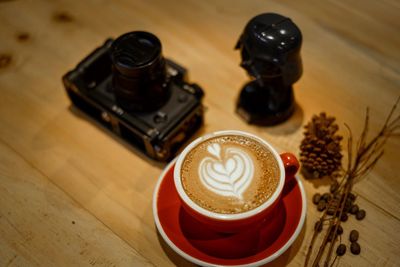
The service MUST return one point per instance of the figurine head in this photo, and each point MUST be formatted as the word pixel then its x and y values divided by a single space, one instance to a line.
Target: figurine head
pixel 270 48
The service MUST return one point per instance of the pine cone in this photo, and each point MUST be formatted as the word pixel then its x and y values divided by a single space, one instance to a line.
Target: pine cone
pixel 320 149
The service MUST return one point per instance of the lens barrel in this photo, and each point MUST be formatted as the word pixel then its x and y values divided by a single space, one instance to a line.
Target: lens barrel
pixel 139 77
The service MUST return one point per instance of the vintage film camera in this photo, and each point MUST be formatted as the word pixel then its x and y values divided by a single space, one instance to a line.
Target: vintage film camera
pixel 130 88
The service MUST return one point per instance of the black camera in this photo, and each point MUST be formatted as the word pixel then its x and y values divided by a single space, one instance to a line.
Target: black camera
pixel 130 88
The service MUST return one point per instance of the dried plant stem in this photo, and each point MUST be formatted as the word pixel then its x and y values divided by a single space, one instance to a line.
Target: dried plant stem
pixel 334 222
pixel 321 248
pixel 314 237
pixel 359 163
pixel 347 190
pixel 321 220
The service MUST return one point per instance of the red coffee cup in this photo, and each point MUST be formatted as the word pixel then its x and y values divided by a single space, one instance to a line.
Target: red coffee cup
pixel 229 223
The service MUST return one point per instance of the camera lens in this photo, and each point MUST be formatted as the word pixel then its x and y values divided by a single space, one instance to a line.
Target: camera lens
pixel 139 73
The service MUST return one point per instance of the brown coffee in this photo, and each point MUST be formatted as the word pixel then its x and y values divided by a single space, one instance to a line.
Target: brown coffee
pixel 230 174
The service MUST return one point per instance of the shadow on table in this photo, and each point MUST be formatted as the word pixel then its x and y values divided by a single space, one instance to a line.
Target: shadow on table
pixel 116 138
pixel 319 182
pixel 127 145
pixel 289 254
pixel 282 260
pixel 172 255
pixel 289 126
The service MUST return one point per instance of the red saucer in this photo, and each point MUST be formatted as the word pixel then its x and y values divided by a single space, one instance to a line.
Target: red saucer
pixel 200 245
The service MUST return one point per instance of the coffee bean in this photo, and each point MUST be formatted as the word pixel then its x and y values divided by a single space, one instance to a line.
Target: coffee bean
pixel 316 198
pixel 334 187
pixel 326 197
pixel 352 196
pixel 330 211
pixel 355 248
pixel 321 205
pixel 339 231
pixel 337 196
pixel 347 207
pixel 341 250
pixel 354 209
pixel 335 202
pixel 360 215
pixel 353 236
pixel 344 217
pixel 318 226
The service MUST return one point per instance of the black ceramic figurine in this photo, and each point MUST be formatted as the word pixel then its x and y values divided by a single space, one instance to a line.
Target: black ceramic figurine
pixel 270 50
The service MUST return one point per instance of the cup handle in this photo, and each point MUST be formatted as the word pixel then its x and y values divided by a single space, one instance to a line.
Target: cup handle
pixel 291 165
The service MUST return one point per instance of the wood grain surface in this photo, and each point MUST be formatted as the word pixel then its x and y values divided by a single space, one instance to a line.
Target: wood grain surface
pixel 72 194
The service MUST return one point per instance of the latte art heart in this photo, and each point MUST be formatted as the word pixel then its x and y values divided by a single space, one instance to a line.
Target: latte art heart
pixel 229 175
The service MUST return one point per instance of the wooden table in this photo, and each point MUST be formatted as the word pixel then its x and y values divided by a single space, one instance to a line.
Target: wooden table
pixel 72 194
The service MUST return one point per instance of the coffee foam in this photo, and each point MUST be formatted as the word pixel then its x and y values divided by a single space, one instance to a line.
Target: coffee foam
pixel 226 174
pixel 230 174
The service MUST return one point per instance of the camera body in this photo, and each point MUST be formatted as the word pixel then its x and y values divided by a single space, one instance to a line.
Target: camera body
pixel 128 87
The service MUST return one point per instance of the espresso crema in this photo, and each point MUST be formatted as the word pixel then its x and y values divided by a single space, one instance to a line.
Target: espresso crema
pixel 230 174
